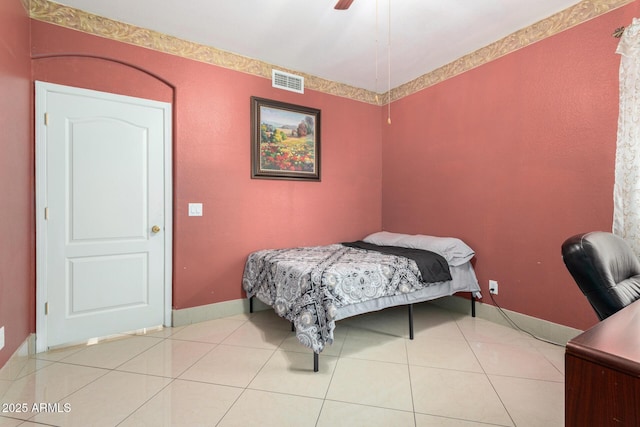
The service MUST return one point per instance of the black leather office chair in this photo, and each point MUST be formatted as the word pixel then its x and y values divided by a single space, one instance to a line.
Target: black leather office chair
pixel 605 268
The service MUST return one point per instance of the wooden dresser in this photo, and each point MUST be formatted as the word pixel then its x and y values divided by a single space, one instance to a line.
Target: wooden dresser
pixel 602 372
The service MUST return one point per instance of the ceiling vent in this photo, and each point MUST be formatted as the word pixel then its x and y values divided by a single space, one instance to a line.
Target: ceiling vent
pixel 287 81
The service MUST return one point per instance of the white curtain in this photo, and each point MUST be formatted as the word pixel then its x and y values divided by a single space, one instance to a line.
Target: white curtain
pixel 626 190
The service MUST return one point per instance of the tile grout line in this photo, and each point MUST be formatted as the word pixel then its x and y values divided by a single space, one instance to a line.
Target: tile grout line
pixel 484 372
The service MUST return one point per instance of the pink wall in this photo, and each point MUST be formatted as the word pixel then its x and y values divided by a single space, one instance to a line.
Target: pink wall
pixel 212 160
pixel 17 241
pixel 514 157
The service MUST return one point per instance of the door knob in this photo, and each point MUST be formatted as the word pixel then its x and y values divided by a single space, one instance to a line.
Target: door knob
pixel 155 229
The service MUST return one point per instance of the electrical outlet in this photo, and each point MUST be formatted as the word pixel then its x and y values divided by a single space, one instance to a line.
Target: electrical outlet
pixel 1 338
pixel 493 287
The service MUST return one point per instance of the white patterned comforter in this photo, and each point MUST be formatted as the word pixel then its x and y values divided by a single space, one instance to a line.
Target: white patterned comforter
pixel 308 285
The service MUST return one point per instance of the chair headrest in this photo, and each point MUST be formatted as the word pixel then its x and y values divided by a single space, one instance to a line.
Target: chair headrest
pixel 605 268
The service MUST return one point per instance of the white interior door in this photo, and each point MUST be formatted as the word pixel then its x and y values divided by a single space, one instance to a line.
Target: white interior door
pixel 104 198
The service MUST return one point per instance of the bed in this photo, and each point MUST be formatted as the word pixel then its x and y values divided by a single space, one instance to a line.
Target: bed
pixel 313 287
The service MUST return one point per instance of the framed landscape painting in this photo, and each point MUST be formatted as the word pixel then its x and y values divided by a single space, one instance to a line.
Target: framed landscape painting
pixel 285 141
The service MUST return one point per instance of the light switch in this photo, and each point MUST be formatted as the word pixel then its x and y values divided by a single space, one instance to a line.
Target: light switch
pixel 195 209
pixel 1 338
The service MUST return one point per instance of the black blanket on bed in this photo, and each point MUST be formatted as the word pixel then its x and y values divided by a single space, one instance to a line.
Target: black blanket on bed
pixel 432 266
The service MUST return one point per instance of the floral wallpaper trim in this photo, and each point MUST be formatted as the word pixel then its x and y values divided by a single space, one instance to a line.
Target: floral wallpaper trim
pixel 581 12
pixel 54 13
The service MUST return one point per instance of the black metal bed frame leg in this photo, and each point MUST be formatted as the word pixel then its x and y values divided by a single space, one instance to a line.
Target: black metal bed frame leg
pixel 473 305
pixel 316 360
pixel 410 321
pixel 250 304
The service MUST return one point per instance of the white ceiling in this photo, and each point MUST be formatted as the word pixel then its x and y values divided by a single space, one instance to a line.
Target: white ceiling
pixel 309 36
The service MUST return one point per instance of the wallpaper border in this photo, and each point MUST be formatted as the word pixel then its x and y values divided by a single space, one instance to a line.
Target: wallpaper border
pixel 54 13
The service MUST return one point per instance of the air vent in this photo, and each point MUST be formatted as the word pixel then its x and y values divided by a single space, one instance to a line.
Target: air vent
pixel 287 81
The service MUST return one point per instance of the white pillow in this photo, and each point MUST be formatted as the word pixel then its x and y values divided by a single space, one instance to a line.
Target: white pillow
pixel 454 250
pixel 385 238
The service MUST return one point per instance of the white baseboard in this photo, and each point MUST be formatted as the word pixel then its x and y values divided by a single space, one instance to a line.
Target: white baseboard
pixel 18 362
pixel 538 327
pixel 218 310
pixel 541 328
pixel 17 365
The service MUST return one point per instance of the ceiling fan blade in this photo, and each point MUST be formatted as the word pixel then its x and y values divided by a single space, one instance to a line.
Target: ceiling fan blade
pixel 343 4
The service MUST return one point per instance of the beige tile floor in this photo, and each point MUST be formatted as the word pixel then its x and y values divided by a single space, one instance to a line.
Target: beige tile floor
pixel 249 370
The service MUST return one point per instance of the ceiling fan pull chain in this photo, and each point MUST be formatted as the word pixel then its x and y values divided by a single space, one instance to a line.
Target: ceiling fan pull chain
pixel 376 63
pixel 389 68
